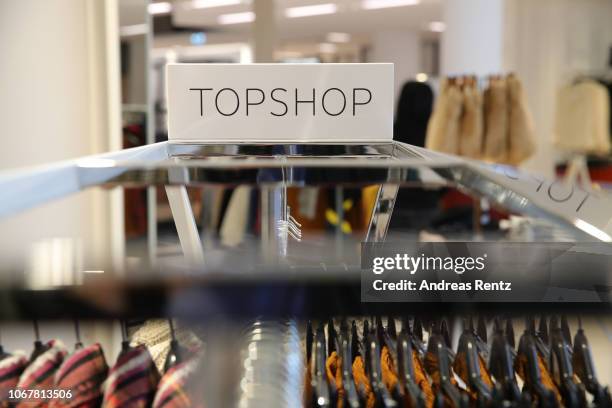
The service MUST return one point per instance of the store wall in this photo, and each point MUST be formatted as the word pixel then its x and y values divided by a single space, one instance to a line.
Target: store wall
pixel 59 77
pixel 472 42
pixel 55 104
pixel 549 43
pixel 401 48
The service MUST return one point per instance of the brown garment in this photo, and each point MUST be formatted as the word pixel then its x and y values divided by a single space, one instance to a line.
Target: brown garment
pixel 308 386
pixel 471 126
pixel 496 121
pixel 362 382
pixel 333 368
pixel 420 377
pixel 521 133
pixel 460 368
pixel 520 365
pixel 389 373
pixel 443 126
pixel 433 369
pixel 391 378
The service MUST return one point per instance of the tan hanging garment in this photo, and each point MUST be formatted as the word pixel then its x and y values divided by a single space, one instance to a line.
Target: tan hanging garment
pixel 471 127
pixel 521 133
pixel 496 121
pixel 582 122
pixel 443 126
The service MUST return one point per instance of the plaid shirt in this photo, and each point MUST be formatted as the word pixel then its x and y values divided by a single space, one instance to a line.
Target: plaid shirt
pixel 11 369
pixel 132 382
pixel 173 390
pixel 83 373
pixel 39 374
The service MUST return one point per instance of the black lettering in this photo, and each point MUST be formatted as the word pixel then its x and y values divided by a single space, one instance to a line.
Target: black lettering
pixel 343 99
pixel 263 97
pixel 237 101
pixel 559 199
pixel 355 103
pixel 201 97
pixel 297 101
pixel 279 101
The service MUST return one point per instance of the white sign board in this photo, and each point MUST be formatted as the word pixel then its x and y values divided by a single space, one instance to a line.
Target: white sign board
pixel 280 102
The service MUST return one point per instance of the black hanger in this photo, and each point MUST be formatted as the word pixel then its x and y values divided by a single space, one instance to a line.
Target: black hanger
pixel 177 353
pixel 413 396
pixel 501 365
pixel 533 376
pixel 437 348
pixel 416 334
pixel 309 340
pixel 343 346
pixel 541 336
pixel 391 328
pixel 319 383
pixel 356 345
pixel 566 331
pixel 582 362
pixel 510 333
pixel 543 330
pixel 481 330
pixel 469 348
pixel 373 369
pixel 39 347
pixel 77 334
pixel 561 367
pixel 385 338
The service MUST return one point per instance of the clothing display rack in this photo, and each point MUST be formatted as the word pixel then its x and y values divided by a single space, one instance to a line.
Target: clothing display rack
pixel 259 349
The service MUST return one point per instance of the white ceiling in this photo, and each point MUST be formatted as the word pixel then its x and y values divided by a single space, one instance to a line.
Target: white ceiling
pixel 350 18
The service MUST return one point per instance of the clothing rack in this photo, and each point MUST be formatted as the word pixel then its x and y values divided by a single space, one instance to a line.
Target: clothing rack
pixel 394 360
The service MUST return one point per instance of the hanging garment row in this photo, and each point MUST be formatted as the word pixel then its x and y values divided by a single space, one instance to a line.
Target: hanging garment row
pixel 494 125
pixel 384 367
pixel 82 378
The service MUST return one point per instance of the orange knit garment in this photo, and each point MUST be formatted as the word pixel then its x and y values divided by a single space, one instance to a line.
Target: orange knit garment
pixel 460 368
pixel 362 382
pixel 333 368
pixel 520 365
pixel 433 368
pixel 421 379
pixel 389 373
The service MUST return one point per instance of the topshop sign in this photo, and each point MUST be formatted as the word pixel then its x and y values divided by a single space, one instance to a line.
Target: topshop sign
pixel 280 102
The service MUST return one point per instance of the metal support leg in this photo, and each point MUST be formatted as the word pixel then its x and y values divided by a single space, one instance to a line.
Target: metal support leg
pixel 185 224
pixel 381 215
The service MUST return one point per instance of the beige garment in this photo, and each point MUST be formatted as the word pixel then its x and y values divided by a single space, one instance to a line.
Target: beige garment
pixel 521 133
pixel 236 218
pixel 155 334
pixel 496 121
pixel 471 126
pixel 583 118
pixel 443 126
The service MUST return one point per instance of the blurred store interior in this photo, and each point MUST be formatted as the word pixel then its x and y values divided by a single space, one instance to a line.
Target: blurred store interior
pixel 83 77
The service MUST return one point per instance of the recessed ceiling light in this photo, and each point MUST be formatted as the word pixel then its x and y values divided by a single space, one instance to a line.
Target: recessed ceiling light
pixel 159 8
pixel 437 26
pixel 339 37
pixel 313 10
pixel 421 77
pixel 236 18
pixel 378 4
pixel 201 4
